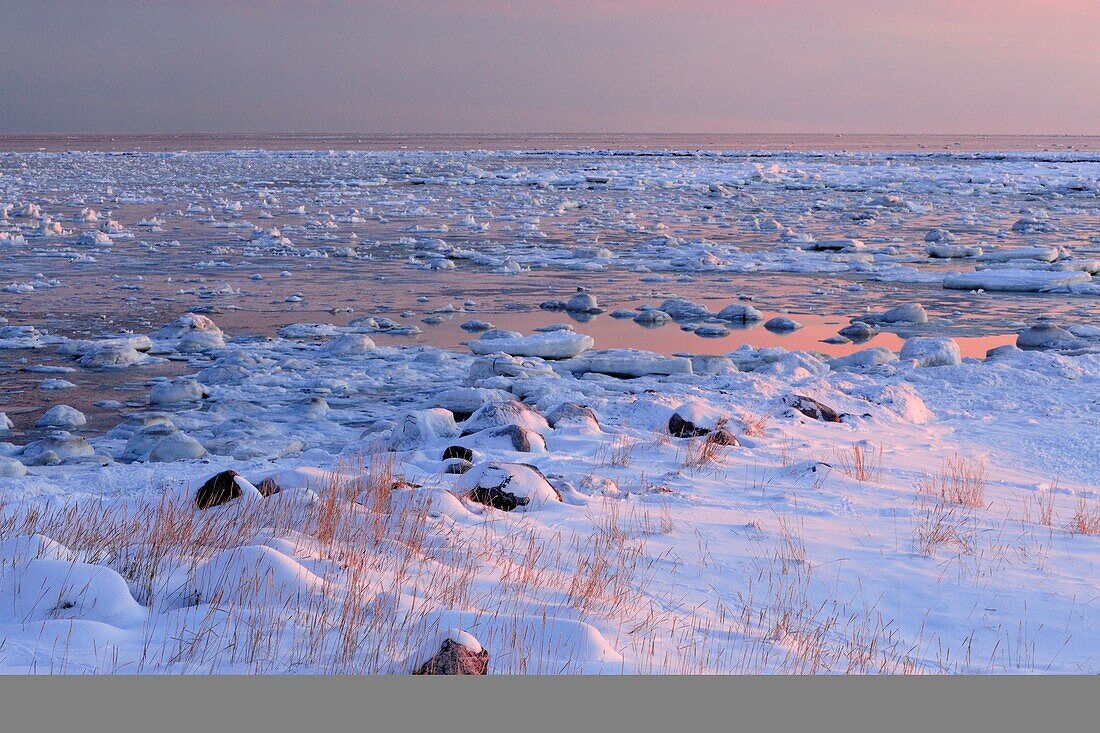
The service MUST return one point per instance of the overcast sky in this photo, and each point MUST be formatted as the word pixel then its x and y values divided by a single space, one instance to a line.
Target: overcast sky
pixel 954 66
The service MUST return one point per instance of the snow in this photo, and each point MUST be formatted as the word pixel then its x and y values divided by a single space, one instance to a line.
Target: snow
pixel 356 547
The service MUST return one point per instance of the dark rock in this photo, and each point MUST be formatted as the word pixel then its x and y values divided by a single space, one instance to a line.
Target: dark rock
pixel 268 487
pixel 811 408
pixel 722 437
pixel 678 427
pixel 497 498
pixel 455 659
pixel 219 489
pixel 458 451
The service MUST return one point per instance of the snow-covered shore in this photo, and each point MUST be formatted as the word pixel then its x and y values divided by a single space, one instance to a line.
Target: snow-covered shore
pixel 557 504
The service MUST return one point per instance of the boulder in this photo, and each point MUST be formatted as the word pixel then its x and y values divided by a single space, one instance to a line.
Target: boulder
pixel 225 486
pixel 177 446
pixel 62 416
pixel 1044 335
pixel 694 418
pixel 350 344
pixel 931 351
pixel 422 426
pixel 61 445
pixel 781 324
pixel 572 414
pixel 652 318
pixel 500 414
pixel 582 303
pixel 464 656
pixel 11 468
pixel 859 331
pixel 906 313
pixel 111 356
pixel 465 401
pixel 506 486
pixel 740 313
pixel 811 408
pixel 682 309
pixel 182 390
pixel 872 357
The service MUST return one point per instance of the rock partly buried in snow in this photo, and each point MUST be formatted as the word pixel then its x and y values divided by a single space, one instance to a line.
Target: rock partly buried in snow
pixel 177 446
pixel 423 426
pixel 223 487
pixel 506 486
pixel 465 401
pixel 11 468
pixel 628 363
pixel 350 344
pixel 740 313
pixel 712 330
pixel 1044 335
pixel 192 332
pixel 682 309
pixel 111 356
pixel 693 418
pixel 931 351
pixel 61 445
pixel 549 345
pixel 574 415
pixel 652 317
pixel 182 390
pixel 460 654
pixel 502 414
pixel 504 365
pixel 939 235
pixel 907 313
pixel 509 437
pixel 582 303
pixel 872 357
pixel 811 408
pixel 141 443
pixel 859 331
pixel 62 416
pixel 781 324
pixel 1015 281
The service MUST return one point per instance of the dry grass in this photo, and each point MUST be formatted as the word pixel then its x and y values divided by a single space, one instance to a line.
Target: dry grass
pixel 1039 508
pixel 859 462
pixel 618 452
pixel 705 451
pixel 960 481
pixel 755 422
pixel 384 570
pixel 943 525
pixel 1086 517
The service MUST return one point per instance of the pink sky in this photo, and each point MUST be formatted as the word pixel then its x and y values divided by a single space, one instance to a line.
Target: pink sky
pixel 554 65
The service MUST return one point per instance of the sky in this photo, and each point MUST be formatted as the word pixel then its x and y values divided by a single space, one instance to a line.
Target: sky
pixel 853 66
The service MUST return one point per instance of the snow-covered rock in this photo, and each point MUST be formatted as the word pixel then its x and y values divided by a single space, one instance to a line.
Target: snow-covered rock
pixel 931 351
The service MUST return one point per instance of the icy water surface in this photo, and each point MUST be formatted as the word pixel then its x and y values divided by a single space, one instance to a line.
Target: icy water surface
pixel 264 239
